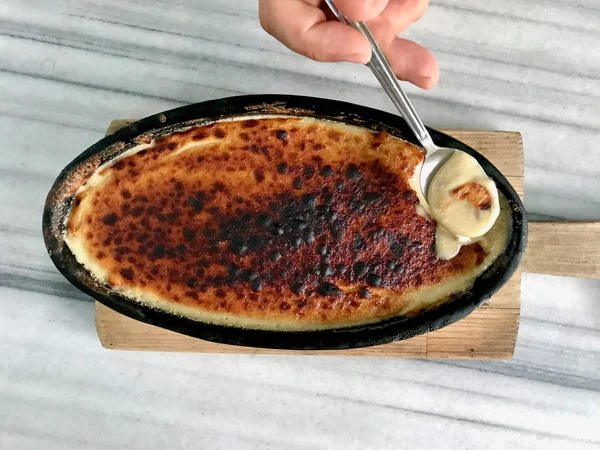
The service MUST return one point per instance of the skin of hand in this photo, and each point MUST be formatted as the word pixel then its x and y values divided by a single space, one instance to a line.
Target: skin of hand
pixel 308 27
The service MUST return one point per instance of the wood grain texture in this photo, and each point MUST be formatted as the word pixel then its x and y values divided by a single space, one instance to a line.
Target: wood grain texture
pixel 570 249
pixel 488 333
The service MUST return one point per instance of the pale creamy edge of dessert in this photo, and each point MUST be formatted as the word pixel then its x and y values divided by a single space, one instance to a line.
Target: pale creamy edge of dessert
pixel 458 221
pixel 493 242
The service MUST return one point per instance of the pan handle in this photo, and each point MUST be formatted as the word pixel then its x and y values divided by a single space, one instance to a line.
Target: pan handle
pixel 569 249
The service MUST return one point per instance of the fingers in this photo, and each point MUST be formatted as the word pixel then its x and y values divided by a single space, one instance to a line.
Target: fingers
pixel 400 14
pixel 334 41
pixel 413 63
pixel 361 9
pixel 302 27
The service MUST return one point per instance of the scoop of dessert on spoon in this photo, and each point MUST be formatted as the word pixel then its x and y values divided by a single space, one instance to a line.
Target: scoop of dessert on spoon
pixel 454 188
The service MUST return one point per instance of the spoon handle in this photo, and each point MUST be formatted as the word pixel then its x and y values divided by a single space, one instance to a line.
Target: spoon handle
pixel 386 77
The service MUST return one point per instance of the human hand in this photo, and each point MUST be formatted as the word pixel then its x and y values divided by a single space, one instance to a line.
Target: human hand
pixel 307 27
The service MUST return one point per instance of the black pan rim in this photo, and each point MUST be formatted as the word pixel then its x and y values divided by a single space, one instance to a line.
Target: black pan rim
pixel 392 329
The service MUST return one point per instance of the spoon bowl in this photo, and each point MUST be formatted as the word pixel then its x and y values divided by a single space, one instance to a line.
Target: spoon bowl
pixel 435 158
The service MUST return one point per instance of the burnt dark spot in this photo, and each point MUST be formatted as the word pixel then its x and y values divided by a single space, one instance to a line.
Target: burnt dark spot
pixel 282 168
pixel 178 186
pixel 297 183
pixel 284 306
pixel 122 250
pixel 302 304
pixel 245 136
pixel 110 219
pixel 327 195
pixel 298 287
pixel 189 235
pixel 213 210
pixel 309 200
pixel 396 249
pixel 158 251
pixel 371 197
pixel 360 268
pixel 341 269
pixel 238 245
pixel 322 250
pixel 196 202
pixel 137 211
pixel 180 248
pixel 327 171
pixel 126 194
pixel 399 268
pixel 191 282
pixel 275 256
pixel 374 280
pixel 329 289
pixel 209 232
pixel 172 146
pixel 220 133
pixel 356 206
pixel 234 270
pixel 308 172
pixel 281 134
pixel 337 230
pixel 203 262
pixel 218 186
pixel 277 231
pixel 358 243
pixel 352 173
pixel 409 195
pixel 256 285
pixel 126 273
pixel 220 293
pixel 364 292
pixel 259 175
pixel 263 220
pixel 251 275
pixel 325 270
pixel 318 147
pixel 251 123
pixel 199 136
pixel 309 237
pixel 256 243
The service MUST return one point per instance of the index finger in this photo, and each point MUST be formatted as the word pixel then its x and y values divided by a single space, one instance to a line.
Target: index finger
pixel 303 27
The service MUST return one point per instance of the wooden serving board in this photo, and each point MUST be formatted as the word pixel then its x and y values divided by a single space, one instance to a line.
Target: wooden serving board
pixel 490 332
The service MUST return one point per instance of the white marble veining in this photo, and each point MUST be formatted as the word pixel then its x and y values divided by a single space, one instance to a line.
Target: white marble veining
pixel 67 67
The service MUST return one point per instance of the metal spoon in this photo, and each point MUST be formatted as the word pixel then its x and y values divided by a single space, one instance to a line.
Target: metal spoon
pixel 435 156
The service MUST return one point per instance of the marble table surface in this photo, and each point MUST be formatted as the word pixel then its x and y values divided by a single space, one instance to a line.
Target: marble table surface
pixel 67 67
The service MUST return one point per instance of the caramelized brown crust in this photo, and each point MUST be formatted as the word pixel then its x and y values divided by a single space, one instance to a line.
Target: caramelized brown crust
pixel 279 219
pixel 475 194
